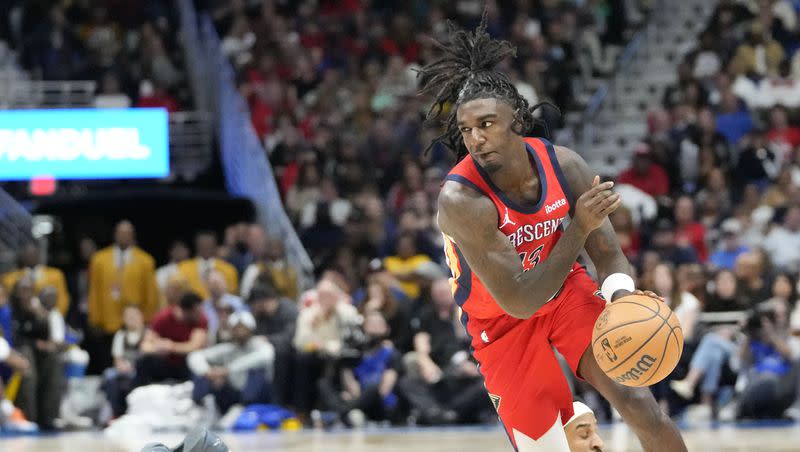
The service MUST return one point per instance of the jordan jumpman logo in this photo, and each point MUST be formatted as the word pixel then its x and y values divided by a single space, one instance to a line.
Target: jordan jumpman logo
pixel 507 220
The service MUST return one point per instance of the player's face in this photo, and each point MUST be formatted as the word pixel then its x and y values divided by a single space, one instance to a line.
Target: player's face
pixel 485 126
pixel 582 434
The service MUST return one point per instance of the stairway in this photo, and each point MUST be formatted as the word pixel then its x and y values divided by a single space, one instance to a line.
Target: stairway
pixel 617 118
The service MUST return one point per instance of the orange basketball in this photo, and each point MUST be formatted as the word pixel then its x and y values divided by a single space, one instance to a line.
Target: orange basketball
pixel 637 340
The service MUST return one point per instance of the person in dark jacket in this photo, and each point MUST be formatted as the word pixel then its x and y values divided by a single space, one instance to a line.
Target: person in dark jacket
pixel 276 318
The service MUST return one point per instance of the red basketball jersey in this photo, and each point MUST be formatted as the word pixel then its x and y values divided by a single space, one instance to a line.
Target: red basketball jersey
pixel 533 231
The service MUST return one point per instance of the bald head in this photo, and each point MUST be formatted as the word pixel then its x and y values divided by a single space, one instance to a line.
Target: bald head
pixel 217 285
pixel 124 234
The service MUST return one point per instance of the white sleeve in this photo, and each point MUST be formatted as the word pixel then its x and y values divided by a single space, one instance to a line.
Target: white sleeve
pixel 248 279
pixel 5 350
pixel 199 361
pixel 118 345
pixel 57 328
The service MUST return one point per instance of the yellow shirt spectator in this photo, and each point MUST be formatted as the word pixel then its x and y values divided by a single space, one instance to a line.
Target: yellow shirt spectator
pixel 404 265
pixel 41 275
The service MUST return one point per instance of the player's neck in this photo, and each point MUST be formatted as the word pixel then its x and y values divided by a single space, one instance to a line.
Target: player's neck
pixel 515 176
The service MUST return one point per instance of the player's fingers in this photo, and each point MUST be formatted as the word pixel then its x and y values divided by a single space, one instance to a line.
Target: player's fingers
pixel 611 207
pixel 599 197
pixel 598 188
pixel 596 181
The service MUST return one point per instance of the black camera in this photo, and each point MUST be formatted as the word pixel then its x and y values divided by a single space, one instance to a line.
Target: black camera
pixel 756 317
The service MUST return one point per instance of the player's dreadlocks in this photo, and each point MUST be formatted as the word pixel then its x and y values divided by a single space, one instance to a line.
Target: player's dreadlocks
pixel 466 72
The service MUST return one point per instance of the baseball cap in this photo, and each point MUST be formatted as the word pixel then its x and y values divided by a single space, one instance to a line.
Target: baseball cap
pixel 242 318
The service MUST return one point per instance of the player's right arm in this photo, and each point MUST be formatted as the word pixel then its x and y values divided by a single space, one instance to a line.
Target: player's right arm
pixel 470 219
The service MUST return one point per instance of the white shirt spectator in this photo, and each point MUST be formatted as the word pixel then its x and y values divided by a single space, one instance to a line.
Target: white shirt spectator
pixel 783 247
pixel 112 101
pixel 237 359
pixel 641 205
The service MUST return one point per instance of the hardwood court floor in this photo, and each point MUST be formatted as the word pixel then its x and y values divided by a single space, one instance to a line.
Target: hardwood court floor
pixel 618 438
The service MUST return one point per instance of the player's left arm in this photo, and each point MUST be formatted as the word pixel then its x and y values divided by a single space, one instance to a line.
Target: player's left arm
pixel 601 244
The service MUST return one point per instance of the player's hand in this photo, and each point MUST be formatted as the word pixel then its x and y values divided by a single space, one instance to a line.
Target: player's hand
pixel 649 293
pixel 595 205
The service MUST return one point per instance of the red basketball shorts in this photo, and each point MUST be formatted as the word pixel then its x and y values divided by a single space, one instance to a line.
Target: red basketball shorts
pixel 521 372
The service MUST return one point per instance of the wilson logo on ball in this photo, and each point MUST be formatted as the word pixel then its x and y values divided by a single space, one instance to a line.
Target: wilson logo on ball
pixel 641 367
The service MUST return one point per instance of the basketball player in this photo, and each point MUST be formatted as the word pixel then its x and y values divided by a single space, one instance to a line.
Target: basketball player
pixel 502 210
pixel 581 430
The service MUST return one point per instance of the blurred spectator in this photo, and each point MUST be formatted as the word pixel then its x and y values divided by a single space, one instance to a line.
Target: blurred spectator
pixel 689 232
pixel 397 312
pixel 782 191
pixel 664 243
pixel 627 232
pixel 759 55
pixel 442 382
pixel 769 359
pixel 716 191
pixel 40 390
pixel 324 330
pixel 724 294
pixel 749 269
pixel 79 283
pixel 305 191
pixel 125 350
pixel 685 305
pixel 730 247
pixel 236 372
pixel 405 264
pixel 276 318
pixel 220 299
pixel 238 44
pixel 153 95
pixel 175 332
pixel 119 275
pixel 10 416
pixel 645 174
pixel 756 164
pixel 238 239
pixel 196 270
pixel 178 252
pixel 733 120
pixel 53 51
pixel 706 369
pixel 41 275
pixel 783 242
pixel 111 95
pixel 176 286
pixel 365 387
pixel 272 268
pixel 155 59
pixel 48 298
pixel 783 138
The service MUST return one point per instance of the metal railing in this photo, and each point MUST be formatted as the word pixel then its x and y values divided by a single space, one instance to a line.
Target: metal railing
pixel 601 95
pixel 248 172
pixel 190 135
pixel 24 94
pixel 16 226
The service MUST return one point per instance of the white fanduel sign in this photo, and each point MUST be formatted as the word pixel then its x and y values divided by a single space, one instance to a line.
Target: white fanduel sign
pixel 83 144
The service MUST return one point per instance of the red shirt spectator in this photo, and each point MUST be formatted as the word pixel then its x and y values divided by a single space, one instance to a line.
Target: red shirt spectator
pixel 688 231
pixel 152 96
pixel 177 324
pixel 646 175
